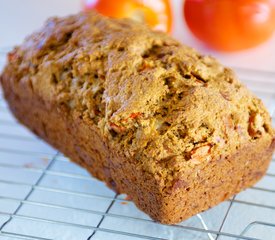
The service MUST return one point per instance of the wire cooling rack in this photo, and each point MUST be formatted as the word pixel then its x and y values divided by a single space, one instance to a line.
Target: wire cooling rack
pixel 44 196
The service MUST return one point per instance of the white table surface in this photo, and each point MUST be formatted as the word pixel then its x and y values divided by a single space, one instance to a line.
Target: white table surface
pixel 21 17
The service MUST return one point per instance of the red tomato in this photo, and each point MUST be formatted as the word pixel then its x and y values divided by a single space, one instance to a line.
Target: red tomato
pixel 156 13
pixel 231 25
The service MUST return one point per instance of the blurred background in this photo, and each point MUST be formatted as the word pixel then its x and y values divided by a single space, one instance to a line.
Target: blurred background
pixel 19 18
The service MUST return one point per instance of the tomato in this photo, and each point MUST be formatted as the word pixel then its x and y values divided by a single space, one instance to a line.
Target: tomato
pixel 231 25
pixel 156 13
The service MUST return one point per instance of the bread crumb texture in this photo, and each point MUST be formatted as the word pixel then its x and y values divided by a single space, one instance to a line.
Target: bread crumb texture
pixel 164 105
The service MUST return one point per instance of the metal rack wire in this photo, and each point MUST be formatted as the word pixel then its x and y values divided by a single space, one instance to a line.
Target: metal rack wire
pixel 44 196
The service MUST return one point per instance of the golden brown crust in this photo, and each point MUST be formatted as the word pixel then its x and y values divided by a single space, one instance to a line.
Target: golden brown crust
pixel 172 128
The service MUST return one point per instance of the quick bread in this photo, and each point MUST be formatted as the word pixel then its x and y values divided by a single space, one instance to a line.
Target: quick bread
pixel 173 129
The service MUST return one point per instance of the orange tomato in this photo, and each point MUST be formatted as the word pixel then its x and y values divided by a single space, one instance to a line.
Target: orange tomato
pixel 156 13
pixel 231 25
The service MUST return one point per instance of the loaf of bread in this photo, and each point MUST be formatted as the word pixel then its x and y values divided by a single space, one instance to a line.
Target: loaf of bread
pixel 171 128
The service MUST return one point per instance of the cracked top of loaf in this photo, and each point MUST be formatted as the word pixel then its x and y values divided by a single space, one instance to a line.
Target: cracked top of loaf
pixel 156 101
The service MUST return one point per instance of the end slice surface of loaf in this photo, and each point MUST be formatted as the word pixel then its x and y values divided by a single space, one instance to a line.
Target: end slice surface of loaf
pixel 154 119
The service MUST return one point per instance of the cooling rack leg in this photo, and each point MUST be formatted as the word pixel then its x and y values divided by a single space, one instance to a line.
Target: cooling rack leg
pixel 227 212
pixel 253 224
